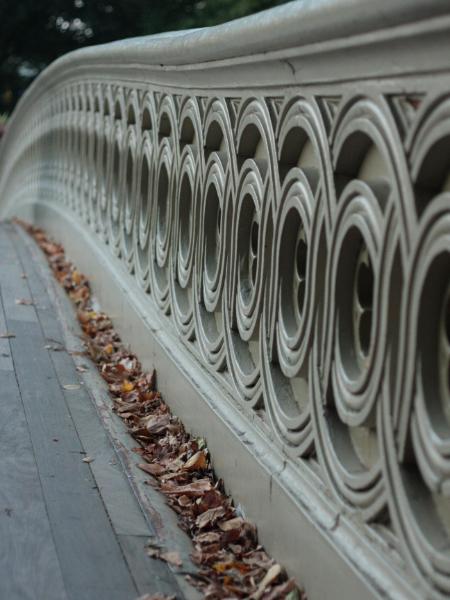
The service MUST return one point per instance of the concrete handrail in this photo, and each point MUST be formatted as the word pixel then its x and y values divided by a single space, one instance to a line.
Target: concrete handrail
pixel 263 207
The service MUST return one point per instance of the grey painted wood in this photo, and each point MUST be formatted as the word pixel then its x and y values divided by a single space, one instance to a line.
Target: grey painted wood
pixel 14 286
pixel 43 305
pixel 6 363
pixel 29 566
pixel 121 504
pixel 88 551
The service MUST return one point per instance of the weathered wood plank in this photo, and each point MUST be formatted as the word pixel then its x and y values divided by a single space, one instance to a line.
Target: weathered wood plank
pixel 13 286
pixel 91 560
pixel 6 363
pixel 123 509
pixel 44 306
pixel 29 566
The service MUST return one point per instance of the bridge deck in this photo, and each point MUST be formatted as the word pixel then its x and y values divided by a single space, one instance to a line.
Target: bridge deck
pixel 69 529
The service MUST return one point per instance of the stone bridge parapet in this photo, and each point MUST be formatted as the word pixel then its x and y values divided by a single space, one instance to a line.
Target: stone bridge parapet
pixel 265 208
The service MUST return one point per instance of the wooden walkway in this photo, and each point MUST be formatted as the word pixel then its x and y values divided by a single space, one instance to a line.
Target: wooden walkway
pixel 68 529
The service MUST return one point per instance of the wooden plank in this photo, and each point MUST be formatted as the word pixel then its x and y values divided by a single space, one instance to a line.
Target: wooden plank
pixel 124 511
pixel 13 286
pixel 29 566
pixel 6 363
pixel 44 306
pixel 91 560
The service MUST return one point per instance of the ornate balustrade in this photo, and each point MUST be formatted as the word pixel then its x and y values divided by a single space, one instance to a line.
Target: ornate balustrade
pixel 264 207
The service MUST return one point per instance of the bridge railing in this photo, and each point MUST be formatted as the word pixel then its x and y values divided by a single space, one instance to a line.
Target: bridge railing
pixel 264 208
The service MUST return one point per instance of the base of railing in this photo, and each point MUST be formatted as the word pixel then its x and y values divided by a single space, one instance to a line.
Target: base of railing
pixel 329 552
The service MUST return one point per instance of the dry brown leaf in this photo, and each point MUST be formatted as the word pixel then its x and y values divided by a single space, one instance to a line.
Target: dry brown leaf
pixel 287 590
pixel 184 501
pixel 235 523
pixel 197 462
pixel 86 316
pixel 210 537
pixel 156 424
pixel 197 488
pixel 268 579
pixel 210 516
pixel 152 468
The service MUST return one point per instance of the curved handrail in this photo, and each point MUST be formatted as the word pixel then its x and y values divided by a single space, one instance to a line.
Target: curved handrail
pixel 264 205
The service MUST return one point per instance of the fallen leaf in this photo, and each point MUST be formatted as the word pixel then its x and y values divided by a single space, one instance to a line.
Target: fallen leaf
pixel 109 349
pixel 152 468
pixel 86 316
pixel 210 537
pixel 269 577
pixel 184 501
pixel 87 459
pixel 72 386
pixel 7 335
pixel 127 386
pixel 81 369
pixel 172 558
pixel 221 567
pixel 211 499
pixel 197 462
pixel 235 523
pixel 210 517
pixel 77 277
pixel 197 488
pixel 156 424
pixel 153 551
pixel 287 590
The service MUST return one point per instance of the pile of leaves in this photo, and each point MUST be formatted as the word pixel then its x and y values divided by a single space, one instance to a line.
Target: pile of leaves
pixel 231 563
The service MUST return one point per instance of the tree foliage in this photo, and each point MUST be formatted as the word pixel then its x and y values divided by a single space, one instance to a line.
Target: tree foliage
pixel 33 33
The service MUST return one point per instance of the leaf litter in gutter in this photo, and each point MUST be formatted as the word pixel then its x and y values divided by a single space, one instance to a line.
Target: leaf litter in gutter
pixel 231 562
